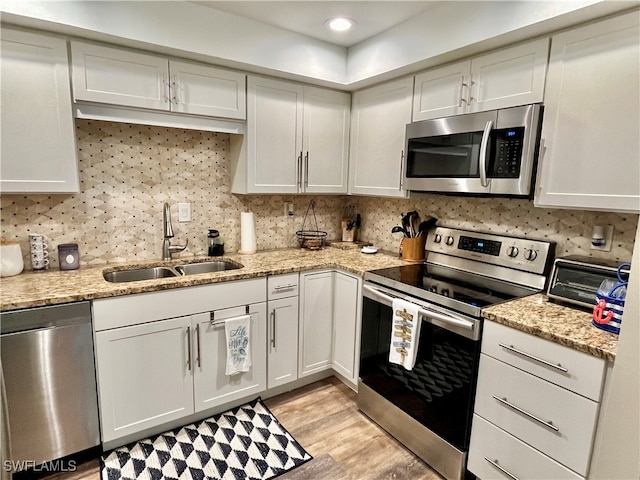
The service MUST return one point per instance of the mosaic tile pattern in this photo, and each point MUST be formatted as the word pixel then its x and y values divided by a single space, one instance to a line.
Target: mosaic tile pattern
pixel 128 171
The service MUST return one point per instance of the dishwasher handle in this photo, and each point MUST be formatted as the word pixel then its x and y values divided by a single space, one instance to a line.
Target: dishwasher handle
pixel 45 317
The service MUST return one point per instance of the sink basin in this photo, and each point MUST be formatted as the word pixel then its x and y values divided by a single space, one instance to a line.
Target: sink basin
pixel 207 267
pixel 136 274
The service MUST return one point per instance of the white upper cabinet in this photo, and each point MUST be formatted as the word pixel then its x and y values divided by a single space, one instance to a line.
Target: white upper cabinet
pixel 38 136
pixel 591 121
pixel 325 140
pixel 296 138
pixel 120 77
pixel 378 119
pixel 203 90
pixel 505 78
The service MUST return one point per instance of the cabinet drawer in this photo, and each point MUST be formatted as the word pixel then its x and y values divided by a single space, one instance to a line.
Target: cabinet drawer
pixel 281 286
pixel 551 419
pixel 545 359
pixel 511 458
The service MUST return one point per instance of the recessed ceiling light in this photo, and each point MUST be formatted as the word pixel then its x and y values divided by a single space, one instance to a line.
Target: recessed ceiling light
pixel 340 24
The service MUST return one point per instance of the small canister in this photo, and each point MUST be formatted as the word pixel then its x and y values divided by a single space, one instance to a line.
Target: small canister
pixel 68 256
pixel 216 243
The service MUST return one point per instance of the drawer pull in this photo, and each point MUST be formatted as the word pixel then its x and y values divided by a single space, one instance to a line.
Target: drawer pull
pixel 524 412
pixel 511 348
pixel 284 287
pixel 501 468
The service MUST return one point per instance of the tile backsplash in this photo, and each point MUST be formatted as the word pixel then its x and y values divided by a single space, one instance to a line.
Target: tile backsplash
pixel 127 173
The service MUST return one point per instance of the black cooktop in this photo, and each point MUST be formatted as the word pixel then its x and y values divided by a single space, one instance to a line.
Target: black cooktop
pixel 447 286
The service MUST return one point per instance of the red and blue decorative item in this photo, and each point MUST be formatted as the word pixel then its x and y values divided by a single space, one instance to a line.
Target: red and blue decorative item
pixel 610 297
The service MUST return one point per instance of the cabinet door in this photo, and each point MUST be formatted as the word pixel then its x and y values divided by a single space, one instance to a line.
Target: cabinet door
pixel 510 77
pixel 325 140
pixel 441 92
pixel 378 121
pixel 346 316
pixel 316 322
pixel 591 120
pixel 144 376
pixel 119 77
pixel 282 341
pixel 212 387
pixel 203 90
pixel 38 136
pixel 274 136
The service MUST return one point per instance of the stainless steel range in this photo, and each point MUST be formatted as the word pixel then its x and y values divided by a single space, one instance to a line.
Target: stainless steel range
pixel 429 408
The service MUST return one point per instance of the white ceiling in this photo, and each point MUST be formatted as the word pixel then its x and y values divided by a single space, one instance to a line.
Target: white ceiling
pixel 308 17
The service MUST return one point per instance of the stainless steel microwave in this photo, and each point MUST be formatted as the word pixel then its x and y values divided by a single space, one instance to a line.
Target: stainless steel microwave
pixel 484 153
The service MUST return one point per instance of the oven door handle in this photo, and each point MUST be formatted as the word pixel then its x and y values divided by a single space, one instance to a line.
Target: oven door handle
pixel 431 314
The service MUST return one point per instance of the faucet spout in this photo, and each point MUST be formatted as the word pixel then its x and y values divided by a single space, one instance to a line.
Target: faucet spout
pixel 167 231
pixel 166 222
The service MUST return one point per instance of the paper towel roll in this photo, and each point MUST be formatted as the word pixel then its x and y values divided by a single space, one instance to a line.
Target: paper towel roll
pixel 247 233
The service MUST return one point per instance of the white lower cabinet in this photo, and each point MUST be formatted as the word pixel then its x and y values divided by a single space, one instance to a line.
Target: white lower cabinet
pixel 346 316
pixel 153 370
pixel 316 322
pixel 531 416
pixel 211 386
pixel 494 453
pixel 143 377
pixel 282 339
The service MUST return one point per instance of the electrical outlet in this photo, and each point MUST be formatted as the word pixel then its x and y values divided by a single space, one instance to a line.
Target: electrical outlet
pixel 184 212
pixel 602 238
pixel 288 209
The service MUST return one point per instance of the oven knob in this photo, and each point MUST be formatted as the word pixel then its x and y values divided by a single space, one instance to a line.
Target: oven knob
pixel 530 254
pixel 513 251
pixel 433 288
pixel 437 238
pixel 445 292
pixel 449 240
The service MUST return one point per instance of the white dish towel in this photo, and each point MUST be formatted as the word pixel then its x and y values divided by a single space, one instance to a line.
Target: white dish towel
pixel 237 332
pixel 405 333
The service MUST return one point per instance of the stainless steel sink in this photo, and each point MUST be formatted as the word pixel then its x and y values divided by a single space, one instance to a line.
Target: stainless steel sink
pixel 135 274
pixel 207 267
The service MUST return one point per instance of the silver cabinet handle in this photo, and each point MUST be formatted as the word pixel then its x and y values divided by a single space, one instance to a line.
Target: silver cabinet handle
pixel 198 344
pixel 504 402
pixel 462 85
pixel 189 348
pixel 401 167
pixel 300 170
pixel 288 286
pixel 306 170
pixel 511 348
pixel 176 88
pixel 273 329
pixel 501 468
pixel 484 145
pixel 165 87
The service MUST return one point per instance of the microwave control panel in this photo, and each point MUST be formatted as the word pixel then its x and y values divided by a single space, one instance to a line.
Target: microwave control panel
pixel 507 152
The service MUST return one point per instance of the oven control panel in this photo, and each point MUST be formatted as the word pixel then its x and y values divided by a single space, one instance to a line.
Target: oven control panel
pixel 514 252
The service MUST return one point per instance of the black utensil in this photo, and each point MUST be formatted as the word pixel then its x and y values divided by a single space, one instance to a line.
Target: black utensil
pixel 397 229
pixel 426 225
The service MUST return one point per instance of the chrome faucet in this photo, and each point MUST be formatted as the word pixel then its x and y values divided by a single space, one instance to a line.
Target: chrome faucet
pixel 167 248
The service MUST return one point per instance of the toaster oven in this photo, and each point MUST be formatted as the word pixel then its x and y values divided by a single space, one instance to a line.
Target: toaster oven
pixel 575 279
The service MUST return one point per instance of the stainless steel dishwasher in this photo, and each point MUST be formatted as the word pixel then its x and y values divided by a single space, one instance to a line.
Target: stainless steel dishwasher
pixel 50 383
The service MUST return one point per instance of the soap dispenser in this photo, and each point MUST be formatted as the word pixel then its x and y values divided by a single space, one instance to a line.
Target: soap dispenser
pixel 216 243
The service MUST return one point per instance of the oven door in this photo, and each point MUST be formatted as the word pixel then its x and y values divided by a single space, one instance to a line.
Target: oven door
pixel 439 391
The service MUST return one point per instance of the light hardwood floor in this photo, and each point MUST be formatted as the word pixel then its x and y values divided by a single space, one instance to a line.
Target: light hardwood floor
pixel 324 419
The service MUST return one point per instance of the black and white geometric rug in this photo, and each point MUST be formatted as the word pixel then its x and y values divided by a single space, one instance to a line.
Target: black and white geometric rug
pixel 246 442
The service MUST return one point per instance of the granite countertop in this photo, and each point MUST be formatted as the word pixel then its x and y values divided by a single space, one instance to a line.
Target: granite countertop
pixel 32 289
pixel 567 326
pixel 533 314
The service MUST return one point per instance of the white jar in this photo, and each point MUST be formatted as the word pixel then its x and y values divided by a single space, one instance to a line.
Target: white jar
pixel 11 262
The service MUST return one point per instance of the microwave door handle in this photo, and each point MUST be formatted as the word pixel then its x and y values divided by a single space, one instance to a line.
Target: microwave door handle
pixel 484 145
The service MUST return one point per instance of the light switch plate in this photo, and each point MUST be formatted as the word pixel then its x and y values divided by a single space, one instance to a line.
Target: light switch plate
pixel 184 212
